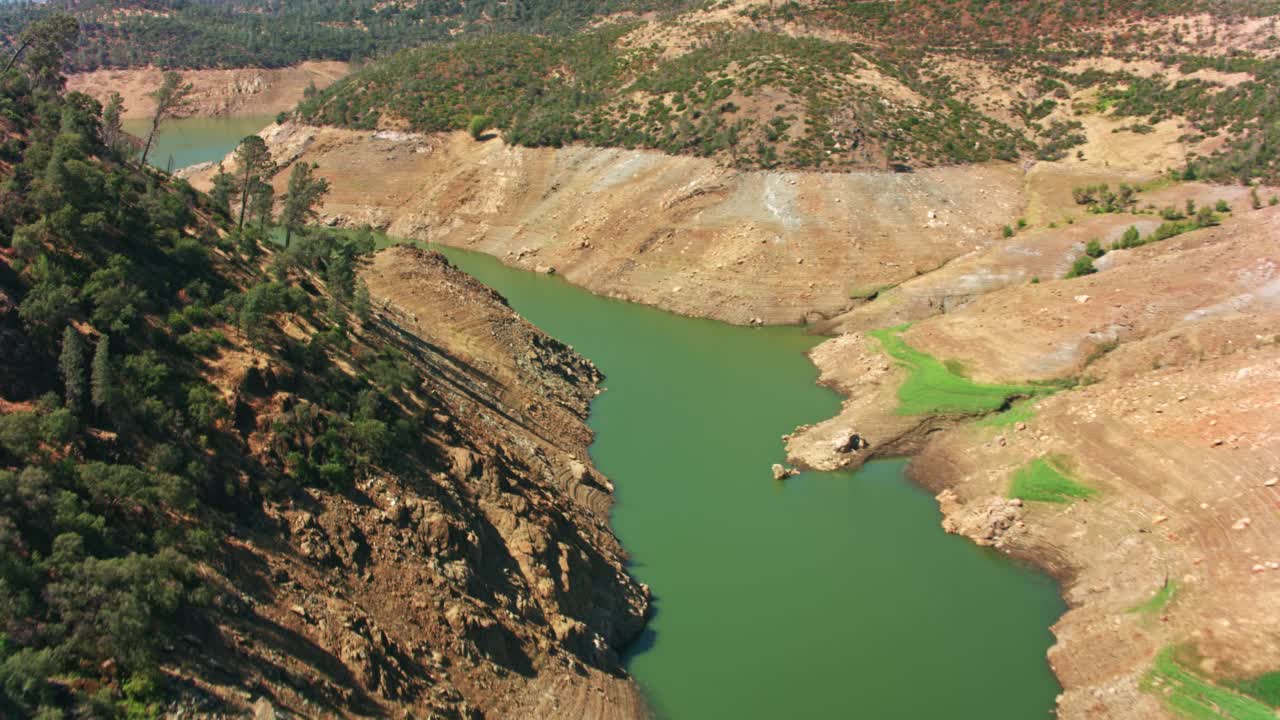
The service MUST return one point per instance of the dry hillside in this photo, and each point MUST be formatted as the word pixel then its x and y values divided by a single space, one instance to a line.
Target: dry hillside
pixel 217 93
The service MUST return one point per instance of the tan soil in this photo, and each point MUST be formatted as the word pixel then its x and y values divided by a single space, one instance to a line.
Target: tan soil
pixel 488 585
pixel 218 93
pixel 677 232
pixel 1179 433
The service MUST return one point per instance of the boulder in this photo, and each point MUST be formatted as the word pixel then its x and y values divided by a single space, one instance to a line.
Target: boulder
pixel 781 472
pixel 849 442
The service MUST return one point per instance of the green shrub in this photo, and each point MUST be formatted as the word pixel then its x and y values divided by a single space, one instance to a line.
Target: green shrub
pixel 1082 266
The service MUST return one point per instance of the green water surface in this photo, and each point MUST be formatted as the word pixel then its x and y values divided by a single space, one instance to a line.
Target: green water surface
pixel 195 140
pixel 832 595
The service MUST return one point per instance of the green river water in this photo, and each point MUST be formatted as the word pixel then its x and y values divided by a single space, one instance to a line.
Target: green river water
pixel 196 140
pixel 829 595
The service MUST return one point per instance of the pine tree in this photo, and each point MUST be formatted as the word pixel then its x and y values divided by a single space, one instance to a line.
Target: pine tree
pixel 103 382
pixel 253 160
pixel 262 200
pixel 360 302
pixel 44 44
pixel 305 191
pixel 223 185
pixel 340 276
pixel 112 127
pixel 171 98
pixel 71 364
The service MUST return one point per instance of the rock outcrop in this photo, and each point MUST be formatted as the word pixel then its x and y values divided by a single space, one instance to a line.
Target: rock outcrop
pixel 479 585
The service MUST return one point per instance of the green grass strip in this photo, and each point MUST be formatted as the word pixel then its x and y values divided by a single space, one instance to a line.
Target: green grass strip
pixel 1040 481
pixel 1194 697
pixel 1265 687
pixel 933 388
pixel 1021 411
pixel 1157 602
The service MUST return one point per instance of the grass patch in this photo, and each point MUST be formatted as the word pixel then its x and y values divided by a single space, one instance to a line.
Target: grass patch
pixel 1157 602
pixel 934 387
pixel 1194 697
pixel 1040 480
pixel 1264 687
pixel 1021 411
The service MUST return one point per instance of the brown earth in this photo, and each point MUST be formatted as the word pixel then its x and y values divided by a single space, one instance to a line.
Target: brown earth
pixel 680 233
pixel 1176 425
pixel 218 93
pixel 489 585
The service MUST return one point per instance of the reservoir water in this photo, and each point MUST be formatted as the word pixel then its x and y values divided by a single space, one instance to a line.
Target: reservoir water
pixel 195 140
pixel 829 595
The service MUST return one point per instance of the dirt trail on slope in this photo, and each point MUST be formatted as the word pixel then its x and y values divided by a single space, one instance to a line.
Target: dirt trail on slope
pixel 676 232
pixel 218 93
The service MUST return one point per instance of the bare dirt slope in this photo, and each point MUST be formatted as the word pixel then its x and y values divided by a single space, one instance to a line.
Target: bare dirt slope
pixel 677 232
pixel 489 585
pixel 218 93
pixel 1176 427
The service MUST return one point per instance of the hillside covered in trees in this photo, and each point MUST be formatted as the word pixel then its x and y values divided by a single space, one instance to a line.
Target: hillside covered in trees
pixel 226 477
pixel 816 85
pixel 277 33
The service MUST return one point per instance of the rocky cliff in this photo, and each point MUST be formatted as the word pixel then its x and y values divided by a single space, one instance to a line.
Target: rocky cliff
pixel 485 584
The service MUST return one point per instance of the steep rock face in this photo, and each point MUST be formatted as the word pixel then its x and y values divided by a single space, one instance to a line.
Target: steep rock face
pixel 680 233
pixel 478 585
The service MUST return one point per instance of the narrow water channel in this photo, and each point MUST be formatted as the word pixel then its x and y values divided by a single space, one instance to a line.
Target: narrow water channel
pixel 832 595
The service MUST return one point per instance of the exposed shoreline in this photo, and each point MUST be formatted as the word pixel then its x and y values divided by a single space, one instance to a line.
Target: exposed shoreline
pixel 233 92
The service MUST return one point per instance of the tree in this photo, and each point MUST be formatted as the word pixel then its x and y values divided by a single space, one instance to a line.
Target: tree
pixel 253 160
pixel 304 192
pixel 360 302
pixel 102 383
pixel 172 97
pixel 45 43
pixel 262 200
pixel 71 364
pixel 224 183
pixel 112 128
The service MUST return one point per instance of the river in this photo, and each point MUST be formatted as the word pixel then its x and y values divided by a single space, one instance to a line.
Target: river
pixel 829 595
